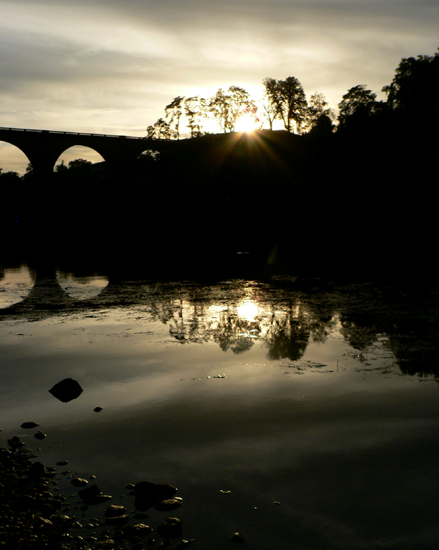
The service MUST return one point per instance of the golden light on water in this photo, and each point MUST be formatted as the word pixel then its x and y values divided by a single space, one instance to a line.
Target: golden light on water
pixel 248 310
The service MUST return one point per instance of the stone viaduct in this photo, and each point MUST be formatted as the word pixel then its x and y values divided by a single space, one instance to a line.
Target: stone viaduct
pixel 43 147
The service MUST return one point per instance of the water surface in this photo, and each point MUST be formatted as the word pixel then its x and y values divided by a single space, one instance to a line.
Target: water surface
pixel 304 415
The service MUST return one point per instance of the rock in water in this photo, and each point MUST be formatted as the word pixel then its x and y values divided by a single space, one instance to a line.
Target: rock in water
pixel 66 390
pixel 113 511
pixel 28 425
pixel 168 504
pixel 79 482
pixel 137 530
pixel 147 494
pixel 237 537
pixel 93 495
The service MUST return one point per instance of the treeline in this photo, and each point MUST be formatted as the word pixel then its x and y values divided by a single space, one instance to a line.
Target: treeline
pixel 283 100
pixel 414 89
pixel 76 167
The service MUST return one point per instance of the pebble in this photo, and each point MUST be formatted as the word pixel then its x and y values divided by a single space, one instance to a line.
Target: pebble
pixel 51 523
pixel 79 482
pixel 113 510
pixel 168 504
pixel 237 537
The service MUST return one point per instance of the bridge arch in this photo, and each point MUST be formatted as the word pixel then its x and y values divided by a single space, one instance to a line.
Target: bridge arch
pixel 75 152
pixel 13 158
pixel 43 147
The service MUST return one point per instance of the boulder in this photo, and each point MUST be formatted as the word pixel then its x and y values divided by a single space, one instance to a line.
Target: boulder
pixel 66 390
pixel 29 425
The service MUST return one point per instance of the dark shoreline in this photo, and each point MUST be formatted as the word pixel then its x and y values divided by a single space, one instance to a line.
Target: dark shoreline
pixel 36 515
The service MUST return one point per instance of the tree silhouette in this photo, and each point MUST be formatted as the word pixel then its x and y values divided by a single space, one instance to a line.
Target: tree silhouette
pixel 160 130
pixel 357 105
pixel 228 108
pixel 61 168
pixel 289 101
pixel 80 164
pixel 319 113
pixel 195 109
pixel 173 112
pixel 269 111
pixel 415 86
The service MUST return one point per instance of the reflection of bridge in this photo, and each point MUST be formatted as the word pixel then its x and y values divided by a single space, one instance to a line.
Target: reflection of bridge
pixel 43 147
pixel 47 297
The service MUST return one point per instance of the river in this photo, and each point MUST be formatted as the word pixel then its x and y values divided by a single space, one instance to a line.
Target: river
pixel 302 413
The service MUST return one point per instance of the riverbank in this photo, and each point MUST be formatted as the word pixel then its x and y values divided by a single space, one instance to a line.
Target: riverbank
pixel 35 514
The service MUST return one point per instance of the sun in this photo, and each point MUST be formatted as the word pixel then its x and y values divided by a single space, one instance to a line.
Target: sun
pixel 247 123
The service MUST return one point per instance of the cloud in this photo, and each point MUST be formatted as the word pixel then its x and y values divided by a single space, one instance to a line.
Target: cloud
pixel 78 63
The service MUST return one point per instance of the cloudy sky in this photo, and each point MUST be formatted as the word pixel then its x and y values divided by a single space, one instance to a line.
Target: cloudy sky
pixel 111 66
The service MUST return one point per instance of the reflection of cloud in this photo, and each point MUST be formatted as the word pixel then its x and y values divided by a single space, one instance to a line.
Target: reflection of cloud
pixel 82 288
pixel 15 285
pixel 236 315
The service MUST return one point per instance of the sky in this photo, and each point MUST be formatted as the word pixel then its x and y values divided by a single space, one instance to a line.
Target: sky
pixel 111 66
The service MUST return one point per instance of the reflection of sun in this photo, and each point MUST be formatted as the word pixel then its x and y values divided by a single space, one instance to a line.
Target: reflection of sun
pixel 247 310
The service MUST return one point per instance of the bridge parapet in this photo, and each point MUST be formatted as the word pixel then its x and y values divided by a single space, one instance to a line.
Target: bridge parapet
pixel 43 147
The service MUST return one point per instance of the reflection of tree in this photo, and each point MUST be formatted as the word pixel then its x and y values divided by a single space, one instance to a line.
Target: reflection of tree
pixel 358 335
pixel 414 337
pixel 288 336
pixel 186 324
pixel 235 333
pixel 285 322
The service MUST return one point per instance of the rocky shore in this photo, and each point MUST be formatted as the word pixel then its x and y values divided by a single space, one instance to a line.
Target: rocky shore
pixel 35 514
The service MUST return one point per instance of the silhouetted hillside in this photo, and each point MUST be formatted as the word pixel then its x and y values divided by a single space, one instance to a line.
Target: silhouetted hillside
pixel 319 201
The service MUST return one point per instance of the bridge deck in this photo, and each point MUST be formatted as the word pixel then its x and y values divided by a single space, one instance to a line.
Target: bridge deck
pixel 67 133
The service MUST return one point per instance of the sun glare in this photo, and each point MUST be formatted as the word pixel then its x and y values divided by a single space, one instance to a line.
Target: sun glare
pixel 247 310
pixel 247 123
